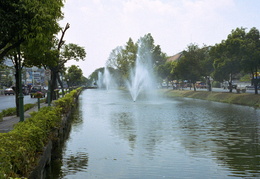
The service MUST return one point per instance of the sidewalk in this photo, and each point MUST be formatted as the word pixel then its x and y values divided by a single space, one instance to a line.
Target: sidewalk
pixel 8 122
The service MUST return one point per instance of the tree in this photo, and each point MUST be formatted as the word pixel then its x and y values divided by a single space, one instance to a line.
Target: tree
pixel 150 53
pixel 164 71
pixel 227 56
pixel 74 76
pixel 251 55
pixel 206 63
pixel 117 61
pixel 26 30
pixel 130 52
pixel 62 53
pixel 189 66
pixel 29 23
pixel 123 58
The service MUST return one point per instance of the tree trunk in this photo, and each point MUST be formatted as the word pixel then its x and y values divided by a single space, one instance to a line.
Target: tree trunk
pixel 53 84
pixel 16 88
pixel 230 83
pixel 209 84
pixel 194 87
pixel 256 90
pixel 230 87
pixel 255 83
pixel 61 84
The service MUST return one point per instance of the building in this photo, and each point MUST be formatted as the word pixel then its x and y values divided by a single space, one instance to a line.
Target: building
pixel 175 57
pixel 30 75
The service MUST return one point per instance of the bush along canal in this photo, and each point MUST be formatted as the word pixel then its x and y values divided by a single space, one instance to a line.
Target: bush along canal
pixel 26 151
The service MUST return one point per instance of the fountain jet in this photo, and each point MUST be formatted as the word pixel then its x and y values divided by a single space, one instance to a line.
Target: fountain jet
pixel 142 76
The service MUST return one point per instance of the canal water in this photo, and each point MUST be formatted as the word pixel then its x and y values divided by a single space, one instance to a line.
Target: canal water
pixel 114 137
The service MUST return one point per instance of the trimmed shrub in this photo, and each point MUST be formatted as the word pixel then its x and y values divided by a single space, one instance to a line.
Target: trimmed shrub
pixel 20 148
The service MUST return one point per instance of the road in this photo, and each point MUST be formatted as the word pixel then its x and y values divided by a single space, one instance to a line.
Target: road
pixel 252 91
pixel 9 101
pixel 224 90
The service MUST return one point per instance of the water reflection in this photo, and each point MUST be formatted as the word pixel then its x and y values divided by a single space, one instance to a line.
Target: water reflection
pixel 124 127
pixel 74 163
pixel 228 133
pixel 177 138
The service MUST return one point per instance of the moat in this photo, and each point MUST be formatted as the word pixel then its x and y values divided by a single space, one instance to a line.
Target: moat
pixel 113 137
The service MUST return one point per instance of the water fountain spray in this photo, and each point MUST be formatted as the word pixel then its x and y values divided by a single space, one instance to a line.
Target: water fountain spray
pixel 142 76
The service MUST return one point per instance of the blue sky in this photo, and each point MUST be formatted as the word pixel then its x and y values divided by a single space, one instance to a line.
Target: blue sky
pixel 102 25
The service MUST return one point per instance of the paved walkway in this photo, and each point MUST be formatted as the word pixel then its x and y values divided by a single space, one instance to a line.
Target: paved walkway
pixel 8 122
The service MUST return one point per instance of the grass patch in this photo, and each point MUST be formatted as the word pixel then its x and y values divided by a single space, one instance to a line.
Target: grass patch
pixel 12 111
pixel 225 97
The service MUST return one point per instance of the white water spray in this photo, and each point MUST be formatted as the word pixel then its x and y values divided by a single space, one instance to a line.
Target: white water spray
pixel 107 78
pixel 142 77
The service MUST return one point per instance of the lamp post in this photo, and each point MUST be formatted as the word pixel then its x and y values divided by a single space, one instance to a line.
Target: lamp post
pixel 68 84
pixel 21 107
pixel 34 69
pixel 48 75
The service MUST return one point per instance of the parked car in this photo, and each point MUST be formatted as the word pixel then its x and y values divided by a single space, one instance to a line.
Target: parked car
pixel 232 87
pixel 252 87
pixel 201 85
pixel 9 91
pixel 25 89
pixel 36 89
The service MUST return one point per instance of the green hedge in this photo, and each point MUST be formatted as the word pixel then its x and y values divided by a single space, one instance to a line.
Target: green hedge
pixel 12 111
pixel 20 148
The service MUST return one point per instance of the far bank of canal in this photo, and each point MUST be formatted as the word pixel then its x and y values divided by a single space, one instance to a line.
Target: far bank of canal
pixel 247 99
pixel 113 137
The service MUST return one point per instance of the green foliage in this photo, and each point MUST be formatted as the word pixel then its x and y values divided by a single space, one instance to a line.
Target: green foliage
pixel 30 24
pixel 190 66
pixel 12 111
pixel 123 58
pixel 228 56
pixel 21 147
pixel 74 76
pixel 9 112
pixel 164 71
pixel 240 52
pixel 73 51
pixel 216 84
pixel 67 102
pixel 245 78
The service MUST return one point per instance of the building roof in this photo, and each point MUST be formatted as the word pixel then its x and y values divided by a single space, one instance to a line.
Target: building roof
pixel 174 57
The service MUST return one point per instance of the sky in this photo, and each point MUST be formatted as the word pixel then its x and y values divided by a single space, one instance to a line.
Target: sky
pixel 101 25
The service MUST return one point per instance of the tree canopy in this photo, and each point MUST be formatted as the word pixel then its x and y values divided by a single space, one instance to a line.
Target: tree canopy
pixel 239 52
pixel 74 76
pixel 123 58
pixel 31 24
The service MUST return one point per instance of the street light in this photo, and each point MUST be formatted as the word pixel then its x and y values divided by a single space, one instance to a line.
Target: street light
pixel 21 107
pixel 34 69
pixel 68 80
